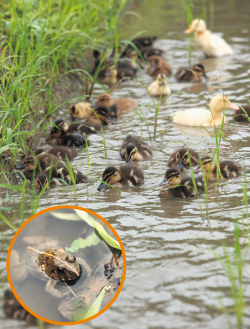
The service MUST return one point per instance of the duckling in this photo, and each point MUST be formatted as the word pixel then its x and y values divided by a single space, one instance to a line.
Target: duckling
pixel 180 188
pixel 80 111
pixel 123 176
pixel 243 116
pixel 102 116
pixel 212 45
pixel 202 117
pixel 144 41
pixel 133 149
pixel 113 74
pixel 194 74
pixel 148 52
pixel 61 152
pixel 123 105
pixel 228 169
pixel 65 138
pixel 158 65
pixel 55 170
pixel 159 86
pixel 77 127
pixel 179 159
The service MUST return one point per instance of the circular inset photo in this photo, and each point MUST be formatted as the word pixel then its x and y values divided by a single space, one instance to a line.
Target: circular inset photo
pixel 66 265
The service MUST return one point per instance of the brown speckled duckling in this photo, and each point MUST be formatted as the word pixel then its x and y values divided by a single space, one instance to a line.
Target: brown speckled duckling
pixel 180 188
pixel 243 116
pixel 123 105
pixel 158 65
pixel 179 159
pixel 193 74
pixel 123 176
pixel 60 152
pixel 134 149
pixel 228 169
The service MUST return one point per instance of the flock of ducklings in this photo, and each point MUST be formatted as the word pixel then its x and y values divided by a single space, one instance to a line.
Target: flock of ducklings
pixel 48 166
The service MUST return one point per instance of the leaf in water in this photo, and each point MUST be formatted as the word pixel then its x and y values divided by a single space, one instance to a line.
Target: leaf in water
pixel 99 228
pixel 65 216
pixel 95 307
pixel 81 243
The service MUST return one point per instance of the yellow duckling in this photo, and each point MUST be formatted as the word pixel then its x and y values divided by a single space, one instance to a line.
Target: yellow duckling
pixel 159 86
pixel 80 111
pixel 212 45
pixel 134 149
pixel 180 187
pixel 228 169
pixel 123 176
pixel 202 117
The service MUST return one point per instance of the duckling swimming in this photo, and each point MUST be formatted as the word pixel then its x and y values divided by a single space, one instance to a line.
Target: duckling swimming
pixel 78 127
pixel 65 138
pixel 202 117
pixel 61 152
pixel 123 105
pixel 134 149
pixel 194 74
pixel 80 111
pixel 123 176
pixel 102 116
pixel 180 188
pixel 243 116
pixel 113 74
pixel 159 86
pixel 228 169
pixel 158 65
pixel 179 159
pixel 212 45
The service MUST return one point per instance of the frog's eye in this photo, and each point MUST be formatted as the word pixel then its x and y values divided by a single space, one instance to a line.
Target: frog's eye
pixel 74 257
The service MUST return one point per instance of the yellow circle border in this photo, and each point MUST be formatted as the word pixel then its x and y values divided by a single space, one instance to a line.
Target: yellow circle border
pixel 56 208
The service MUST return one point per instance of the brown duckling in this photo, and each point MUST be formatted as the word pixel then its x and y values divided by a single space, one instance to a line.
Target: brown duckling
pixel 179 158
pixel 123 105
pixel 123 176
pixel 134 149
pixel 61 152
pixel 113 74
pixel 243 116
pixel 158 65
pixel 228 169
pixel 180 187
pixel 102 116
pixel 159 86
pixel 77 127
pixel 65 138
pixel 80 111
pixel 194 74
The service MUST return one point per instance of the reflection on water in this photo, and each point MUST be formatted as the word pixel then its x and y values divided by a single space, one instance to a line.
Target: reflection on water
pixel 173 279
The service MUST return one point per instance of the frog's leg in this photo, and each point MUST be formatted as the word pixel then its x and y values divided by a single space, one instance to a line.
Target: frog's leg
pixel 50 288
pixel 18 269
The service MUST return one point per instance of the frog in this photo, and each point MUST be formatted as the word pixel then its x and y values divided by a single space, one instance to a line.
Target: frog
pixel 47 261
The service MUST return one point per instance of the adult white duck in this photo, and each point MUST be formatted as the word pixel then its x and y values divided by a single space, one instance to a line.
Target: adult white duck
pixel 203 117
pixel 212 45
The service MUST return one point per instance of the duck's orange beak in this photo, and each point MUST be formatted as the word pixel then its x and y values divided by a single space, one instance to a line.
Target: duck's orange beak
pixel 189 30
pixel 233 106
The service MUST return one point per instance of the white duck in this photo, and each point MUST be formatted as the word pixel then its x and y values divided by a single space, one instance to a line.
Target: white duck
pixel 212 45
pixel 159 86
pixel 203 117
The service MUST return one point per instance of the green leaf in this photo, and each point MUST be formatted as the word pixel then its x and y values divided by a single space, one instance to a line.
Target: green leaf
pixel 81 243
pixel 65 216
pixel 95 307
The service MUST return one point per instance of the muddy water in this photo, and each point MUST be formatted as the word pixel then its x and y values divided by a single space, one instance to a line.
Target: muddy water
pixel 173 278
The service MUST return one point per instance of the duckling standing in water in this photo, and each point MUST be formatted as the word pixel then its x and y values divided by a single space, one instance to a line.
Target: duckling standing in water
pixel 228 169
pixel 80 111
pixel 61 152
pixel 133 149
pixel 180 188
pixel 158 65
pixel 123 176
pixel 159 87
pixel 179 159
pixel 202 117
pixel 123 105
pixel 65 138
pixel 212 45
pixel 194 74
